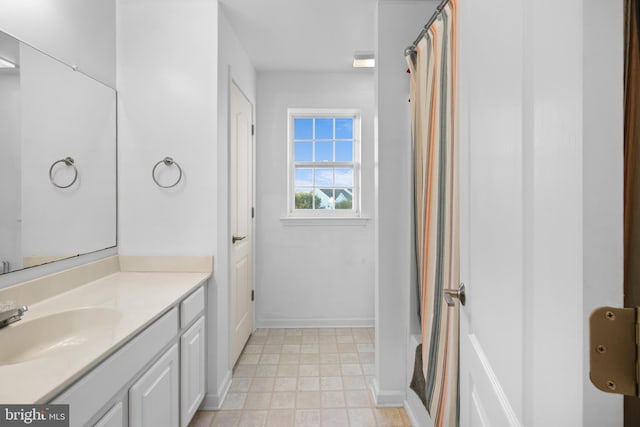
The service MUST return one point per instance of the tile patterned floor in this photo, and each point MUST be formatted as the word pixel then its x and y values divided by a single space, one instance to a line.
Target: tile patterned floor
pixel 304 378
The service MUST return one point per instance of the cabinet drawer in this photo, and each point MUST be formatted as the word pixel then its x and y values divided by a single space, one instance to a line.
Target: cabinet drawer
pixel 191 307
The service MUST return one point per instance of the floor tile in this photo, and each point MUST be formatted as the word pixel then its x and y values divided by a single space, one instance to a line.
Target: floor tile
pixel 331 383
pixel 285 384
pixel 350 357
pixel 283 400
pixel 357 398
pixel 269 359
pixel 304 378
pixel 227 419
pixel 308 383
pixel 234 401
pixel 257 401
pixel 332 399
pixel 262 385
pixel 244 371
pixel 280 418
pixel 289 359
pixel 308 400
pixel 287 371
pixel 240 385
pixel 307 418
pixel 351 369
pixel 329 358
pixel 354 383
pixel 253 348
pixel 272 349
pixel 266 370
pixel 330 370
pixel 309 359
pixel 202 419
pixel 253 418
pixel 309 370
pixel 361 417
pixel 334 418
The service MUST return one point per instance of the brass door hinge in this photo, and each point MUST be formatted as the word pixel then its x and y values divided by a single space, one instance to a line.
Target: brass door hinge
pixel 614 349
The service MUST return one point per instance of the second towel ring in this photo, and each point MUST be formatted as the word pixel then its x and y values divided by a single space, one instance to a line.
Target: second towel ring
pixel 69 162
pixel 168 161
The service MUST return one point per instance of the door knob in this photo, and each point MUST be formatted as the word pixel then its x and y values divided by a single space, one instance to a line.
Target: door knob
pixel 236 238
pixel 450 295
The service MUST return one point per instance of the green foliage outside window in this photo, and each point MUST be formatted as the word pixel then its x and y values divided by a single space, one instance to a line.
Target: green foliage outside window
pixel 305 200
pixel 344 204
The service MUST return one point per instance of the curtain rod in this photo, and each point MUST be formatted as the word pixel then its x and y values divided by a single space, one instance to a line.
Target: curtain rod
pixel 412 48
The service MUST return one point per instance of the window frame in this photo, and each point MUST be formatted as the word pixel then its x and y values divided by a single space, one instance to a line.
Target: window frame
pixel 315 113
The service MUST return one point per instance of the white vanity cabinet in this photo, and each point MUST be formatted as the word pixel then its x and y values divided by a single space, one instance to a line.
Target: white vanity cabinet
pixel 192 371
pixel 113 418
pixel 153 399
pixel 154 380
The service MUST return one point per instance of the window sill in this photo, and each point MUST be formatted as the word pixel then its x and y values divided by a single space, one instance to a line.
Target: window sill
pixel 295 221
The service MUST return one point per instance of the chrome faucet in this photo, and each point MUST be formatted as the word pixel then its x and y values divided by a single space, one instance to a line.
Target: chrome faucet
pixel 7 317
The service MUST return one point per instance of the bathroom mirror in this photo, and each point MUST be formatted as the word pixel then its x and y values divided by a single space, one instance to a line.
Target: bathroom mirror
pixel 58 159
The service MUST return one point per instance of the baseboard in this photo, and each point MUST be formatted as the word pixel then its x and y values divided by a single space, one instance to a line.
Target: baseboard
pixel 416 411
pixel 387 398
pixel 213 402
pixel 316 323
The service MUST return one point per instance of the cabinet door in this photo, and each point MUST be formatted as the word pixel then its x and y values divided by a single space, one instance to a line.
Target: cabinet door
pixel 192 355
pixel 153 399
pixel 113 418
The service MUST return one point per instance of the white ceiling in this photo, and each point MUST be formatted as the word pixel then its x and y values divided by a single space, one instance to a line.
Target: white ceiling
pixel 302 34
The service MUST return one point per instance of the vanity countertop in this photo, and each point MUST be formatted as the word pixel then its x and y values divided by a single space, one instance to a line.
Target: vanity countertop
pixel 107 313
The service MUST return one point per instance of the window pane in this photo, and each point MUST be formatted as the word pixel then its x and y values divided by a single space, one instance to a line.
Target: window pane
pixel 344 177
pixel 302 128
pixel 344 198
pixel 324 151
pixel 344 128
pixel 324 128
pixel 303 151
pixel 304 198
pixel 324 177
pixel 325 196
pixel 344 151
pixel 304 177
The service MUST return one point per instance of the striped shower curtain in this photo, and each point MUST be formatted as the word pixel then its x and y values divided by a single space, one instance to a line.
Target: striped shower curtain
pixel 433 84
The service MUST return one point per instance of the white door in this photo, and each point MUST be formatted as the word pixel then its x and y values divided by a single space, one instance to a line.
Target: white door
pixel 241 120
pixel 491 214
pixel 539 197
pixel 153 399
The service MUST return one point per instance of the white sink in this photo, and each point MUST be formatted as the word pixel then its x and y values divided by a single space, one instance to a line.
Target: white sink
pixel 28 339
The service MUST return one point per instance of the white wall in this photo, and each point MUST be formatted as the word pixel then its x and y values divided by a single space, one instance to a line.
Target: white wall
pixel 233 65
pixel 310 275
pixel 167 106
pixel 78 32
pixel 399 23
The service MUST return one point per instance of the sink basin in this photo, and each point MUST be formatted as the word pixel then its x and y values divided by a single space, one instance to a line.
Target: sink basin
pixel 32 339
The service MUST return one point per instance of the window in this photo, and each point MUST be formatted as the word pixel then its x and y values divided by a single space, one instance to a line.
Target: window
pixel 324 169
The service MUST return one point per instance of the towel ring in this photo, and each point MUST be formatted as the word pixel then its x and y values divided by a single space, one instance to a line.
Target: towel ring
pixel 69 162
pixel 168 161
